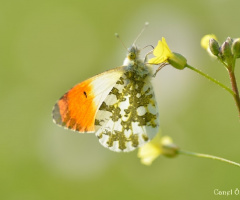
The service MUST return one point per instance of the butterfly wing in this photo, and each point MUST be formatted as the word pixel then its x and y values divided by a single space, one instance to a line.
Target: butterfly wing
pixel 77 108
pixel 128 117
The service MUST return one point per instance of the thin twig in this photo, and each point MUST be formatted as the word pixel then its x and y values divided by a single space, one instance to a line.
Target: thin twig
pixel 234 88
pixel 208 156
pixel 211 79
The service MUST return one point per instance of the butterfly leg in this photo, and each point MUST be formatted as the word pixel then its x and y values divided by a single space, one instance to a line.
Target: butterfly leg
pixel 159 68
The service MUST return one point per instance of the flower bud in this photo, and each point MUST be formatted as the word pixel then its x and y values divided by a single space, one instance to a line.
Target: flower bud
pixel 226 50
pixel 214 46
pixel 236 48
pixel 229 40
pixel 205 40
pixel 170 150
pixel 177 60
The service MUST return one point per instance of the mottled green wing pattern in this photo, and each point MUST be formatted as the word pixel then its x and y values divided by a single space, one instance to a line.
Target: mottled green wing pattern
pixel 128 117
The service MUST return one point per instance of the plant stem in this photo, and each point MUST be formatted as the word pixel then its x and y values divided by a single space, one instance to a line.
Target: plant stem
pixel 234 88
pixel 211 79
pixel 208 156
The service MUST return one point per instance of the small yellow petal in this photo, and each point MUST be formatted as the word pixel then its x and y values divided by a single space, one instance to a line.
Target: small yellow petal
pixel 166 140
pixel 157 60
pixel 150 151
pixel 166 48
pixel 158 51
pixel 156 147
pixel 162 49
pixel 162 52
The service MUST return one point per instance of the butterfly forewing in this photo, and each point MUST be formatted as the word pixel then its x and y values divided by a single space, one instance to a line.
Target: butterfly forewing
pixel 77 108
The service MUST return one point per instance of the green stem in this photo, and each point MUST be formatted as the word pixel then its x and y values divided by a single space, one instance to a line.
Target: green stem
pixel 208 156
pixel 211 79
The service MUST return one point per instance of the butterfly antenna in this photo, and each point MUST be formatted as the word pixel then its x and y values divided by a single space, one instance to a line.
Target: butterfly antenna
pixel 118 36
pixel 143 29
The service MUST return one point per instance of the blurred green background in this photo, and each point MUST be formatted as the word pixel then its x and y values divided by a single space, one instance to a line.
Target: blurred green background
pixel 48 46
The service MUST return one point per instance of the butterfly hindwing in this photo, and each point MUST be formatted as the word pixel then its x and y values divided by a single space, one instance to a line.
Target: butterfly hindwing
pixel 77 108
pixel 128 117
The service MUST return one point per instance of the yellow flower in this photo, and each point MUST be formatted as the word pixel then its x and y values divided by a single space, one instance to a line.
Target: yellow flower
pixel 156 147
pixel 163 54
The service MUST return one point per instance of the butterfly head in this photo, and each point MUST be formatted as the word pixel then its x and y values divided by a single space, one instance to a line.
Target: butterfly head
pixel 132 56
pixel 133 53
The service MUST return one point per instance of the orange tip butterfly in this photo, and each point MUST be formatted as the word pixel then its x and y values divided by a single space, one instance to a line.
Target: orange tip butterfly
pixel 118 105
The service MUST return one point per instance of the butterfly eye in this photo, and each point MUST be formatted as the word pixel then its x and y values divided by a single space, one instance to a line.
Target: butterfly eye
pixel 131 56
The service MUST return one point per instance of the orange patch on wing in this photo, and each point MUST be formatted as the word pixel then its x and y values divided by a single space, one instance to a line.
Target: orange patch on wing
pixel 77 108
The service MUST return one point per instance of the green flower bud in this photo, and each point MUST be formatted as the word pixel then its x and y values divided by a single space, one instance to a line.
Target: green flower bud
pixel 226 50
pixel 236 48
pixel 170 150
pixel 229 40
pixel 177 60
pixel 214 46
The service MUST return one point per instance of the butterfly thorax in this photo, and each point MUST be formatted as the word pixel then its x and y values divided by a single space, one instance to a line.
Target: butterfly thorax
pixel 135 64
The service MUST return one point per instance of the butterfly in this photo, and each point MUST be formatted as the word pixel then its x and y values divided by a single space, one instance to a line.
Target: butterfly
pixel 118 105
